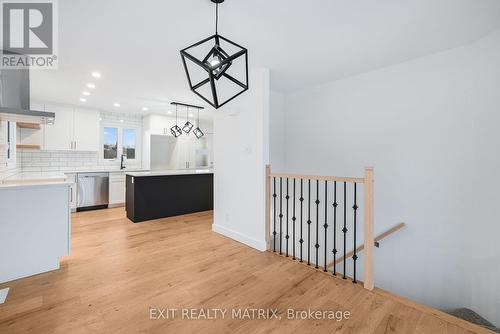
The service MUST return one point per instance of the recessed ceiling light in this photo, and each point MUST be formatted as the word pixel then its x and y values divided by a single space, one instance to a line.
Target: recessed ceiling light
pixel 121 121
pixel 100 118
pixel 91 85
pixel 96 75
pixel 86 93
pixel 83 99
pixel 116 104
pixel 145 108
pixel 169 112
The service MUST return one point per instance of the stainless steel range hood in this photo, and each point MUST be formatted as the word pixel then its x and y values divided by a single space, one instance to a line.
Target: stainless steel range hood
pixel 15 99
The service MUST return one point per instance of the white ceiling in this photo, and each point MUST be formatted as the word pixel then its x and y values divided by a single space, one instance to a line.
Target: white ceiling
pixel 135 44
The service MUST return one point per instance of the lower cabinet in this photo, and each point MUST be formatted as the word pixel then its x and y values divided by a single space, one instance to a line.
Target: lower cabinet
pixel 116 189
pixel 72 179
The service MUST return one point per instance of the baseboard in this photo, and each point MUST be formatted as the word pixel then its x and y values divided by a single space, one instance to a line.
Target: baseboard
pixel 260 245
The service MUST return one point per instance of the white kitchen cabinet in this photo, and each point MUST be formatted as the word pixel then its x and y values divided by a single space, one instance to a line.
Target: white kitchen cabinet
pixel 35 229
pixel 159 125
pixel 59 136
pixel 74 129
pixel 72 198
pixel 183 156
pixel 86 130
pixel 116 189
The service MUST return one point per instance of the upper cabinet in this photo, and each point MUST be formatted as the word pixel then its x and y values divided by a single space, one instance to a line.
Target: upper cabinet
pixel 59 136
pixel 74 129
pixel 86 130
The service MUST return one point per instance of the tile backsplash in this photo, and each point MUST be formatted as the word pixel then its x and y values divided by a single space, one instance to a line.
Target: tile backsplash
pixel 35 161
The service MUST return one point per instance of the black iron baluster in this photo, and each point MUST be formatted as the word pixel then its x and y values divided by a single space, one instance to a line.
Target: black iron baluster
pixel 345 227
pixel 281 213
pixel 326 222
pixel 274 214
pixel 317 223
pixel 287 235
pixel 335 204
pixel 301 199
pixel 293 221
pixel 309 225
pixel 355 256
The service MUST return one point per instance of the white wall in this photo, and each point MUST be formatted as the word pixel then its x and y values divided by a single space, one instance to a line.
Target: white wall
pixel 430 127
pixel 277 131
pixel 241 151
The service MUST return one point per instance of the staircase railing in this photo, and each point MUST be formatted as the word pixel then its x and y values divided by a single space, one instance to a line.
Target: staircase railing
pixel 378 238
pixel 294 215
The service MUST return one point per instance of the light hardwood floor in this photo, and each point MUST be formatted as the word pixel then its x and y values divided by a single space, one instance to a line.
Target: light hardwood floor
pixel 118 271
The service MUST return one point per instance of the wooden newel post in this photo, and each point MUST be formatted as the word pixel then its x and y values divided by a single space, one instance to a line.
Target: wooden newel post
pixel 369 280
pixel 268 205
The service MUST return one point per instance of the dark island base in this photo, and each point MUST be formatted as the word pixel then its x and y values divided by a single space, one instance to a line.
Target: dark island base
pixel 154 197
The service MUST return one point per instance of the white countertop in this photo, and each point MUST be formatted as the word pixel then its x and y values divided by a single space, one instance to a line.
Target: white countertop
pixel 40 178
pixel 172 172
pixel 32 185
pixel 35 178
pixel 126 170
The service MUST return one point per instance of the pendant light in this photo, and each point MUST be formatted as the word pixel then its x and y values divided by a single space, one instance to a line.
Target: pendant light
pixel 225 66
pixel 197 132
pixel 188 126
pixel 176 130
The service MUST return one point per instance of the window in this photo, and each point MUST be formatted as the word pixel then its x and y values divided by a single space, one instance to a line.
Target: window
pixel 129 143
pixel 110 143
pixel 119 139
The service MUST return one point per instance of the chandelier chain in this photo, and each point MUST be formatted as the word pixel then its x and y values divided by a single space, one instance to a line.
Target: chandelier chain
pixel 217 19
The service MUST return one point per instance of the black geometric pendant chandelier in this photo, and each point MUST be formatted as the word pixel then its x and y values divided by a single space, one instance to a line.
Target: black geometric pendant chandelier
pixel 188 126
pixel 216 68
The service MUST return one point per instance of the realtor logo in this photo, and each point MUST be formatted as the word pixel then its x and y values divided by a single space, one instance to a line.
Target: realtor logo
pixel 29 34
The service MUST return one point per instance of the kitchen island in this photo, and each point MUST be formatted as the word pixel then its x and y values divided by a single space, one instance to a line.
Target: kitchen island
pixel 35 225
pixel 160 194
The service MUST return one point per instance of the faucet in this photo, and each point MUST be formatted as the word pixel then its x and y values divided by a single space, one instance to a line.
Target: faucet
pixel 122 163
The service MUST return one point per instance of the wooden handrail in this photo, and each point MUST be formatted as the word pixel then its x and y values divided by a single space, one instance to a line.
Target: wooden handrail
pixel 319 178
pixel 377 239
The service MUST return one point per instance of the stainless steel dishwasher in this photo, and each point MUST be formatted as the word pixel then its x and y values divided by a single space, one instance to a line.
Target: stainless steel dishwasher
pixel 93 191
